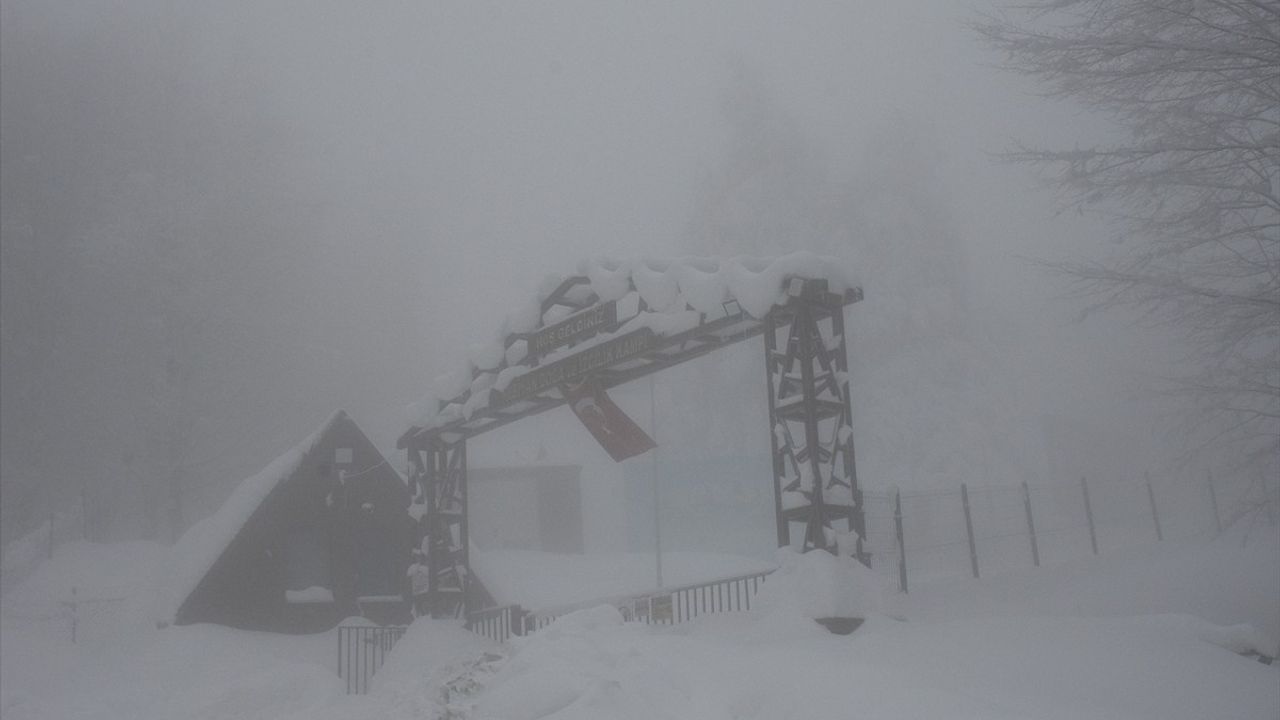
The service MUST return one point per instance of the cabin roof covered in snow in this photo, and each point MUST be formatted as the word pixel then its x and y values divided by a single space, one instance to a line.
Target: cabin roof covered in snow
pixel 203 543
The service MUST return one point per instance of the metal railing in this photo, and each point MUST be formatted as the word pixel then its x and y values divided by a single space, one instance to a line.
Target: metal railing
pixel 500 623
pixel 666 606
pixel 681 604
pixel 361 651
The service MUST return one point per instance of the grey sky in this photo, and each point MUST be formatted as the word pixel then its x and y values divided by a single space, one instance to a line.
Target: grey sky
pixel 224 220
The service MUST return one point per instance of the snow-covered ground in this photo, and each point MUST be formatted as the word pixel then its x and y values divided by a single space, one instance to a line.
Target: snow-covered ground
pixel 539 580
pixel 1151 632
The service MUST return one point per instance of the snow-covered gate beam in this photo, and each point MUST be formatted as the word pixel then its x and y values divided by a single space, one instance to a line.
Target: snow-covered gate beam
pixel 669 351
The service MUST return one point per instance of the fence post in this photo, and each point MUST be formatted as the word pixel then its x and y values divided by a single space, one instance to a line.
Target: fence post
pixel 1031 525
pixel 74 614
pixel 1155 515
pixel 902 544
pixel 1088 513
pixel 968 526
pixel 1213 502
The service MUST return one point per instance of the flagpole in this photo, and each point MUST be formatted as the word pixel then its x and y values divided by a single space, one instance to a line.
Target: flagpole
pixel 657 517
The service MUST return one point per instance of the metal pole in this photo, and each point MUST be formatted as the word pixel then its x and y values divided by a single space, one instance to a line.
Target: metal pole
pixel 1031 526
pixel 657 504
pixel 776 442
pixel 1088 513
pixel 968 526
pixel 1155 515
pixel 902 545
pixel 1213 501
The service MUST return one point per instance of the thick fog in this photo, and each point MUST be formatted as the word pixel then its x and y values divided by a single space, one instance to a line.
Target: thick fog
pixel 223 221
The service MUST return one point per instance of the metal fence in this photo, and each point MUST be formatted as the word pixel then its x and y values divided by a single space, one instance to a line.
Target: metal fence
pixel 499 623
pixel 978 530
pixel 361 651
pixel 666 606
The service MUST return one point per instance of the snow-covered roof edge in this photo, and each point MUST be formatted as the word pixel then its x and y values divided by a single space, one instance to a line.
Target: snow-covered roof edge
pixel 195 553
pixel 676 294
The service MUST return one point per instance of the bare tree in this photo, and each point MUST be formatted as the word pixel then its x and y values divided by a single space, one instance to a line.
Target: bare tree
pixel 1193 187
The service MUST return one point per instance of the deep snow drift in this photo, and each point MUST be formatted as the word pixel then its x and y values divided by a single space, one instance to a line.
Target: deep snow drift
pixel 1153 632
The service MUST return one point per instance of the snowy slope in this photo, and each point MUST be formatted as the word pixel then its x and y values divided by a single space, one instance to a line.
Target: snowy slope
pixel 1149 633
pixel 1012 663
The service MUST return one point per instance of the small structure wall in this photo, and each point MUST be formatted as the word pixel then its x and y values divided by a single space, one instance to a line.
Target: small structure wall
pixel 526 507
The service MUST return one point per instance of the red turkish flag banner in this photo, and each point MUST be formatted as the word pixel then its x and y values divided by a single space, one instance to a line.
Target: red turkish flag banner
pixel 618 434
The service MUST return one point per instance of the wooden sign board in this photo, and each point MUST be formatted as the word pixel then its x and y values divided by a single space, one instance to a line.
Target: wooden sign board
pixel 574 367
pixel 576 327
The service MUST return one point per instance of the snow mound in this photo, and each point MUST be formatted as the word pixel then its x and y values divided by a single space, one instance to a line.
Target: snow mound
pixel 313 594
pixel 1241 638
pixel 581 622
pixel 431 655
pixel 820 585
pixel 576 668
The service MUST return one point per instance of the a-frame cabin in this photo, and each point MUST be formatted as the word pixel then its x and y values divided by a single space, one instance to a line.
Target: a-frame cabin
pixel 318 535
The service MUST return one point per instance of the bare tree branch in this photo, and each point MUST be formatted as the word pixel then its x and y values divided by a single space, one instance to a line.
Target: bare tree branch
pixel 1194 193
